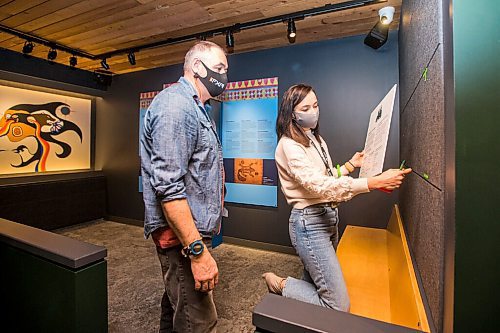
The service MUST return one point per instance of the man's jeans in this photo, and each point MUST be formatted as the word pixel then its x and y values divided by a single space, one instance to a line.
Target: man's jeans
pixel 314 235
pixel 183 309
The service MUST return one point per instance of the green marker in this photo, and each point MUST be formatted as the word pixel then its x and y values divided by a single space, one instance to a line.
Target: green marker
pixel 402 166
pixel 339 173
pixel 424 74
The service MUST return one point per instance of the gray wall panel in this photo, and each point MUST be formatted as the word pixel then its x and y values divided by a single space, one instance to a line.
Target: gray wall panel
pixel 423 142
pixel 421 31
pixel 422 135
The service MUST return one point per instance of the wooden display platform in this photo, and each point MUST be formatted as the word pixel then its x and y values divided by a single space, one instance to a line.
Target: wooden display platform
pixel 379 274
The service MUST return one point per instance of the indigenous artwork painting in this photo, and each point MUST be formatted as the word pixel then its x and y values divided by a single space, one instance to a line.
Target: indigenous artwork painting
pixel 42 132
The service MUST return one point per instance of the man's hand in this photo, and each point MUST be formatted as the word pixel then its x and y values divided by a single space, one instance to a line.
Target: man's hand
pixel 205 272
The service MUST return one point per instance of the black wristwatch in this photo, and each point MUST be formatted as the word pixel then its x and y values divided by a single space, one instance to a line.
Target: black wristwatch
pixel 194 249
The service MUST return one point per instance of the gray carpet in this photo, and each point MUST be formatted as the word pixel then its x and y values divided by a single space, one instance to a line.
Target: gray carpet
pixel 135 285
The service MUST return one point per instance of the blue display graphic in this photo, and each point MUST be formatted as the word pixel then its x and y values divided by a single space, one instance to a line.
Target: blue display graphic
pixel 249 139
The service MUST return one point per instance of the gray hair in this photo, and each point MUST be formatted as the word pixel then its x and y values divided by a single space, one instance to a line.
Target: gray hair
pixel 196 50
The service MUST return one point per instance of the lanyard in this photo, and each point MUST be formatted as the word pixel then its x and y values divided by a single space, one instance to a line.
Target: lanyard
pixel 324 157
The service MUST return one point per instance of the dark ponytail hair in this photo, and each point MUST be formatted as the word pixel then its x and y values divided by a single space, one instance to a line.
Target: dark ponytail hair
pixel 286 124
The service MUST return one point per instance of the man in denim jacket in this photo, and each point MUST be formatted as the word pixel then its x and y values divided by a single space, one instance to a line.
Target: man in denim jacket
pixel 182 174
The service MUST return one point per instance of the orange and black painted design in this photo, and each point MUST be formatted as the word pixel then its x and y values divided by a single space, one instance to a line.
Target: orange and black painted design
pixel 43 122
pixel 248 171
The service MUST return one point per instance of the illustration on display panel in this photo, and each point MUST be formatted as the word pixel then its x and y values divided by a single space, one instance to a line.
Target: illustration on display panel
pixel 43 132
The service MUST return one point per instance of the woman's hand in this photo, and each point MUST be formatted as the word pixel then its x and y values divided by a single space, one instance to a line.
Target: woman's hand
pixel 389 180
pixel 357 159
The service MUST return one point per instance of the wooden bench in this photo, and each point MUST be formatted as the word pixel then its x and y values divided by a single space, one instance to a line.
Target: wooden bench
pixel 381 281
pixel 379 274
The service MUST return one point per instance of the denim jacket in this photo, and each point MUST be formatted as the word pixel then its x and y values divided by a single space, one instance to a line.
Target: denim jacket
pixel 181 158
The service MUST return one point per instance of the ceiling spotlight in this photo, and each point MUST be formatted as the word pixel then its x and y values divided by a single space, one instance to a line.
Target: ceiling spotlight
pixel 73 61
pixel 292 31
pixel 229 41
pixel 386 15
pixel 104 64
pixel 131 58
pixel 52 55
pixel 28 47
pixel 377 36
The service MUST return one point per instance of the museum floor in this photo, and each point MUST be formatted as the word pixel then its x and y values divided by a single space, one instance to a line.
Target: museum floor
pixel 135 285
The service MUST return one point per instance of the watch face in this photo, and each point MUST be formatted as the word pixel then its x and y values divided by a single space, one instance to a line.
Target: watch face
pixel 197 248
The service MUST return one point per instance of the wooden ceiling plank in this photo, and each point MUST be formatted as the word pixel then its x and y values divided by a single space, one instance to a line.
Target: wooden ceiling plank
pixel 86 20
pixel 148 23
pixel 95 19
pixel 297 6
pixel 43 9
pixel 269 8
pixel 15 7
pixel 205 3
pixel 144 38
pixel 51 32
pixel 130 19
pixel 65 13
pixel 5 36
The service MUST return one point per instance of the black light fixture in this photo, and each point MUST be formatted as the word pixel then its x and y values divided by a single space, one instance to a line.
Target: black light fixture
pixel 377 36
pixel 131 58
pixel 73 61
pixel 104 64
pixel 28 47
pixel 52 55
pixel 230 41
pixel 379 33
pixel 291 31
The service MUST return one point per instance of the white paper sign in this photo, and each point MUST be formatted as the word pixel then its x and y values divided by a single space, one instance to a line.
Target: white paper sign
pixel 377 136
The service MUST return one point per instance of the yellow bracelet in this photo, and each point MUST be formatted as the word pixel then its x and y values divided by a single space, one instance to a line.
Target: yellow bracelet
pixel 348 168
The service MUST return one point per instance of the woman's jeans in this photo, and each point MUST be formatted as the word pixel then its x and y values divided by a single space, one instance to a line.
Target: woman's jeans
pixel 314 235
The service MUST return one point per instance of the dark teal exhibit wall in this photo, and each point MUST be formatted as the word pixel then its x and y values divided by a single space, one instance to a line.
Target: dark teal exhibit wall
pixel 476 31
pixel 424 143
pixel 350 79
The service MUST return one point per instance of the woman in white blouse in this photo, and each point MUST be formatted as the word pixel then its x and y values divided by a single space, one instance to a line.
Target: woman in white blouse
pixel 314 187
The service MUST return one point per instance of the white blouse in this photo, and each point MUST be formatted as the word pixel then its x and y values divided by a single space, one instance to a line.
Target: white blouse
pixel 304 177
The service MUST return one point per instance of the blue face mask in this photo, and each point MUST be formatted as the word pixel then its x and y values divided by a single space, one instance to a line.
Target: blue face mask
pixel 307 119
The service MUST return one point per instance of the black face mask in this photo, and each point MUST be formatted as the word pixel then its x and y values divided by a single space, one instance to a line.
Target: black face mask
pixel 214 82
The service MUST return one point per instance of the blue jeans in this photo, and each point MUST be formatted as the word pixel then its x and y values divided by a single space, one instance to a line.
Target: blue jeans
pixel 314 235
